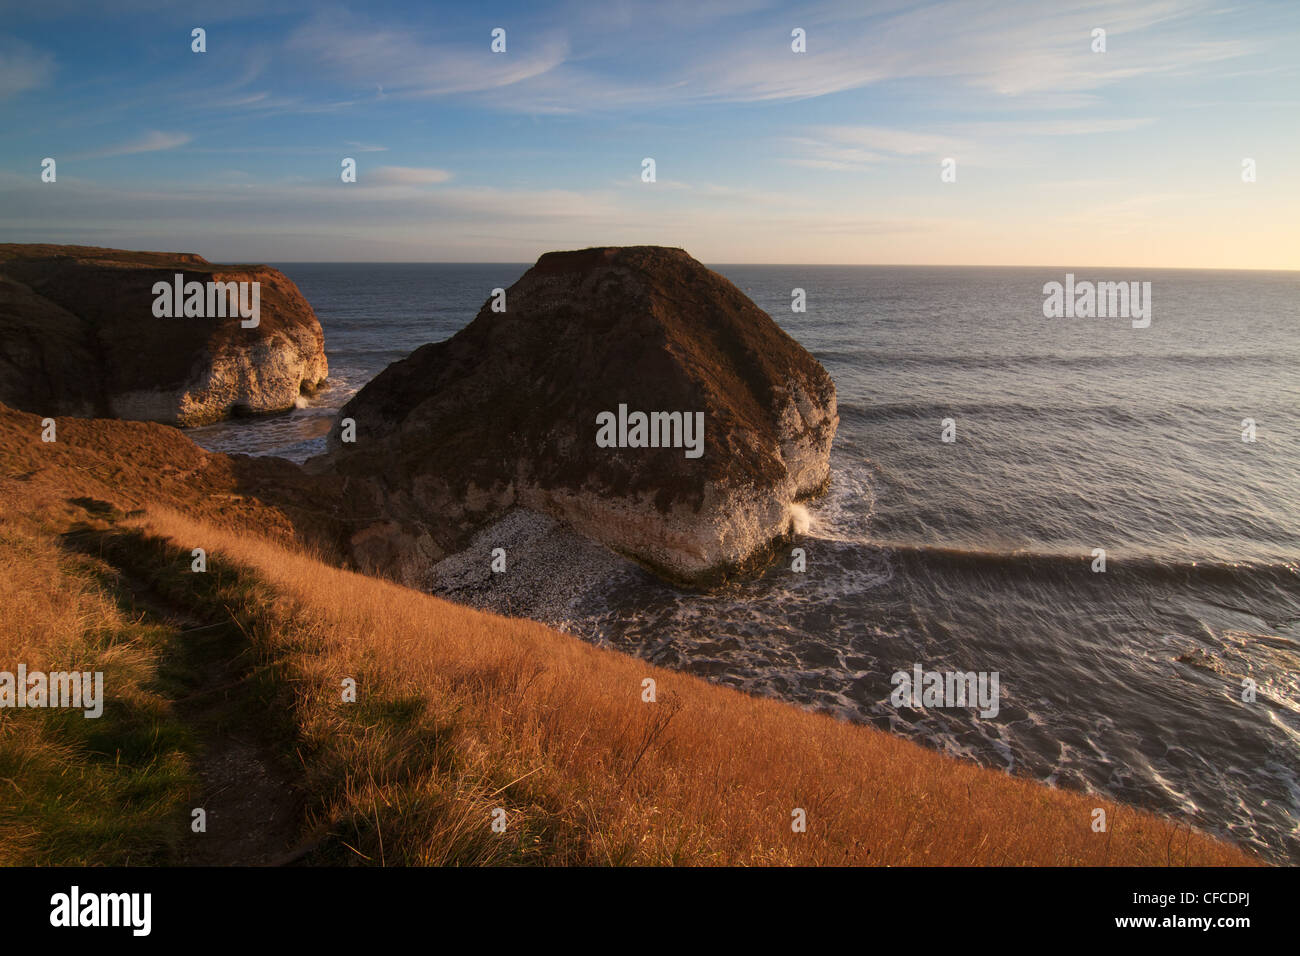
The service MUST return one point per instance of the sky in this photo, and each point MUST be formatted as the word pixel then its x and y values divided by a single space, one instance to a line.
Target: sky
pixel 1061 154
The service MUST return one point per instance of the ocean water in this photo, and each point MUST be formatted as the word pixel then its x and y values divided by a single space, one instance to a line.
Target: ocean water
pixel 977 555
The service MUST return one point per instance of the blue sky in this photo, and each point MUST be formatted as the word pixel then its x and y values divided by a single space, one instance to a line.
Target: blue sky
pixel 1064 156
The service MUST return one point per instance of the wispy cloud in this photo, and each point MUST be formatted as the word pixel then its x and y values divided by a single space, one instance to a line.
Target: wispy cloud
pixel 1014 49
pixel 312 200
pixel 396 62
pixel 764 154
pixel 150 142
pixel 1073 126
pixel 22 67
pixel 858 147
pixel 407 176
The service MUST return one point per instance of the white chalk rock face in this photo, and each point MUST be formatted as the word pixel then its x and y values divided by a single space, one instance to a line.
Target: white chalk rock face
pixel 630 392
pixel 113 355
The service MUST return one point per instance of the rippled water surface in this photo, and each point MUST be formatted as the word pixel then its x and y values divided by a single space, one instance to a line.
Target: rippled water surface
pixel 977 555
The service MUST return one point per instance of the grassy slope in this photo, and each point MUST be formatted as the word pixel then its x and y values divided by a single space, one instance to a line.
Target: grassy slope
pixel 458 712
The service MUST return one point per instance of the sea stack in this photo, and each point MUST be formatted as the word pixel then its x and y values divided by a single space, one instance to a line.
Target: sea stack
pixel 85 331
pixel 630 392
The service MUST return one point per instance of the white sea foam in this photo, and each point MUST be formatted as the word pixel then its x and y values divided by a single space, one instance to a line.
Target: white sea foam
pixel 800 519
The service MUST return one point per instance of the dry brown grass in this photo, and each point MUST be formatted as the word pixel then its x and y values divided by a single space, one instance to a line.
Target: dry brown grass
pixel 461 712
pixel 496 712
pixel 74 790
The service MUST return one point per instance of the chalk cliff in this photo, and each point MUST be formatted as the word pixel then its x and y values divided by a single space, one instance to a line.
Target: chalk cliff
pixel 522 408
pixel 78 336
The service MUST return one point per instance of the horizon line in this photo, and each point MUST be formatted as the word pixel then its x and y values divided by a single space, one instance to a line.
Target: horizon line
pixel 718 264
pixel 824 265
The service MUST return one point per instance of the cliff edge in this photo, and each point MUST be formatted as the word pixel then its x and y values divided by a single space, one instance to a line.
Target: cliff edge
pixel 81 334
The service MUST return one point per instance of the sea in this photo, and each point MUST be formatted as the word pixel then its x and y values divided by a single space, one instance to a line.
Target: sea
pixel 1113 526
